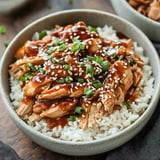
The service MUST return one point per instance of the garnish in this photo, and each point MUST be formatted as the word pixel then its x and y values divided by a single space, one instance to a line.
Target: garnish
pixel 80 80
pixel 82 64
pixel 50 51
pixel 105 65
pixel 92 28
pixel 61 81
pixel 25 77
pixel 42 34
pixel 97 84
pixel 88 92
pixel 31 66
pixel 79 110
pixel 6 43
pixel 42 70
pixel 67 66
pixel 97 59
pixel 70 1
pixel 3 29
pixel 78 45
pixel 72 118
pixel 90 70
pixel 62 47
pixel 131 62
pixel 127 105
pixel 113 55
pixel 68 79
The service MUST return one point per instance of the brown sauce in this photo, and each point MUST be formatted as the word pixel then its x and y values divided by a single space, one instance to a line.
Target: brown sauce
pixel 62 121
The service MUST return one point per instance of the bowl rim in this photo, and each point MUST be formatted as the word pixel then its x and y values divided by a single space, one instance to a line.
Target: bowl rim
pixel 19 122
pixel 139 14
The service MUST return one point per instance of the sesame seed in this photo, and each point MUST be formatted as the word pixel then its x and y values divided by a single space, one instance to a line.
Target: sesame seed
pixel 57 87
pixel 124 75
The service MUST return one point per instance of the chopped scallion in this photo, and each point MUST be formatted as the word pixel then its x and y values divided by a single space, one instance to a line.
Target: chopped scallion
pixel 26 77
pixel 68 79
pixel 42 70
pixel 92 28
pixel 99 59
pixel 97 84
pixel 80 80
pixel 90 70
pixel 79 110
pixel 88 92
pixel 131 62
pixel 61 81
pixel 42 34
pixel 105 65
pixel 127 105
pixel 72 118
pixel 6 43
pixel 50 51
pixel 67 66
pixel 113 55
pixel 62 47
pixel 31 66
pixel 3 29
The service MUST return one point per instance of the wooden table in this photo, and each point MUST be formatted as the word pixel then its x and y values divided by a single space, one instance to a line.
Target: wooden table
pixel 9 133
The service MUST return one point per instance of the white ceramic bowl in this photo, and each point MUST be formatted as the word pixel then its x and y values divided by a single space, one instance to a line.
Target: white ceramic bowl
pixel 94 18
pixel 150 27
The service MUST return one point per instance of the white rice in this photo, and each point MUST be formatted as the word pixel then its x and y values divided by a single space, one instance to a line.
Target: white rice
pixel 110 124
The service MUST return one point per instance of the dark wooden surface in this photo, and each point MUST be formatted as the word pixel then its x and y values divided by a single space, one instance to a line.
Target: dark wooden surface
pixel 14 22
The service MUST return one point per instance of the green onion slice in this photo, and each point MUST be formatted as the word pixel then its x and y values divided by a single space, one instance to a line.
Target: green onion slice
pixel 99 59
pixel 92 29
pixel 90 70
pixel 79 110
pixel 62 47
pixel 80 80
pixel 3 29
pixel 88 92
pixel 42 70
pixel 127 105
pixel 67 66
pixel 68 79
pixel 97 84
pixel 31 66
pixel 42 34
pixel 50 51
pixel 26 77
pixel 61 81
pixel 105 65
pixel 72 118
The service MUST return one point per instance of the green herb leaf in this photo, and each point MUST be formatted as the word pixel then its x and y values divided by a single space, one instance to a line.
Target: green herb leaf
pixel 92 28
pixel 97 84
pixel 67 66
pixel 79 45
pixel 105 65
pixel 90 70
pixel 42 34
pixel 88 92
pixel 80 80
pixel 79 110
pixel 3 29
pixel 72 118
pixel 31 66
pixel 26 77
pixel 68 79
pixel 127 105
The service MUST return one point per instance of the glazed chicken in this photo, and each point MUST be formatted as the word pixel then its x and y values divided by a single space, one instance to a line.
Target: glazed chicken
pixel 74 72
pixel 149 8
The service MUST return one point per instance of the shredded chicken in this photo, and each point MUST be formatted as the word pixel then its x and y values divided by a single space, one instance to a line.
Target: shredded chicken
pixel 73 71
pixel 149 8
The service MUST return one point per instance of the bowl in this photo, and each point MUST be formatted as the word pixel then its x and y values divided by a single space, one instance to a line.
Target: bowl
pixel 94 18
pixel 147 25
